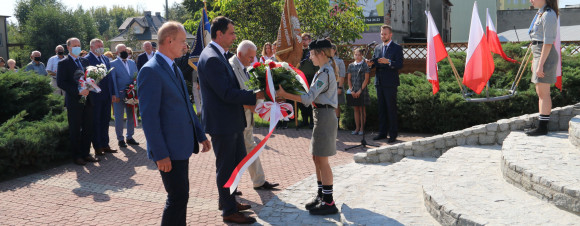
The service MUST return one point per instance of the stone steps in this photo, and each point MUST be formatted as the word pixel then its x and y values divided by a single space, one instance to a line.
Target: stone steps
pixel 377 194
pixel 468 189
pixel 547 167
pixel 574 131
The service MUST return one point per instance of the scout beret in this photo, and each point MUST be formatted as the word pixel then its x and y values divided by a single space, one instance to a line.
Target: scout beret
pixel 319 44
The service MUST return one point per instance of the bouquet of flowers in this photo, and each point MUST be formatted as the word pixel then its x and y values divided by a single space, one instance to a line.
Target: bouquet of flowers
pixel 291 79
pixel 93 75
pixel 131 98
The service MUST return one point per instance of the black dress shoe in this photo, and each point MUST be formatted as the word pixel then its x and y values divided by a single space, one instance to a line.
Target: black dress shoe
pixel 91 159
pixel 132 142
pixel 391 140
pixel 100 151
pixel 109 150
pixel 313 203
pixel 379 137
pixel 122 144
pixel 239 218
pixel 80 162
pixel 238 193
pixel 267 186
pixel 324 209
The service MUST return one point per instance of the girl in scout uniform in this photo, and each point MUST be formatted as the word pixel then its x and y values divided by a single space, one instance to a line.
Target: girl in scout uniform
pixel 543 34
pixel 322 95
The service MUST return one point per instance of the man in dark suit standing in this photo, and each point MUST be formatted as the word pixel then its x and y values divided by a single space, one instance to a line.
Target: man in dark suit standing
pixel 80 116
pixel 101 101
pixel 223 113
pixel 145 56
pixel 388 59
pixel 171 128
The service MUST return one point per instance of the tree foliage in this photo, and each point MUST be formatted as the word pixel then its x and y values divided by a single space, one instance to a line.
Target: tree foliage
pixel 259 20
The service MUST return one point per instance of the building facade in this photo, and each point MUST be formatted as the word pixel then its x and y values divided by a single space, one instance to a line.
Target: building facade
pixel 406 17
pixel 513 4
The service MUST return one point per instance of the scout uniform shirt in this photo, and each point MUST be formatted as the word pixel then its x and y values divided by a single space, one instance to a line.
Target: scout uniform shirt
pixel 544 25
pixel 323 88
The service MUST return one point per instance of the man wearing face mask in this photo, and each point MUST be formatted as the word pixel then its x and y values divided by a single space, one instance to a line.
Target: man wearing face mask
pixel 80 116
pixel 35 65
pixel 101 101
pixel 123 75
pixel 51 67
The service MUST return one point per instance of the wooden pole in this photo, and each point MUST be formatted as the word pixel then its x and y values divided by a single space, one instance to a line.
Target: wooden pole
pixel 522 68
pixel 455 73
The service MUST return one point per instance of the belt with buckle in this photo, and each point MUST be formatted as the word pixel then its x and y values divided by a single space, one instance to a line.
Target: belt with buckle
pixel 537 43
pixel 323 106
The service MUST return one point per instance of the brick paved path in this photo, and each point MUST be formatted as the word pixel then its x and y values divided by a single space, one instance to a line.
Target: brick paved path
pixel 125 188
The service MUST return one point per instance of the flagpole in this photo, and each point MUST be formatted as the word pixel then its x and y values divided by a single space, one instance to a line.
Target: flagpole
pixel 296 115
pixel 204 5
pixel 527 60
pixel 455 73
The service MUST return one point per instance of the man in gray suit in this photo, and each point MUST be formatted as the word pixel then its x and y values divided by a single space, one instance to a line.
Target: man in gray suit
pixel 123 75
pixel 239 62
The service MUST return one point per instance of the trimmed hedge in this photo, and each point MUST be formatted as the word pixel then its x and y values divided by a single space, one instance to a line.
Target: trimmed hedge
pixel 421 111
pixel 34 128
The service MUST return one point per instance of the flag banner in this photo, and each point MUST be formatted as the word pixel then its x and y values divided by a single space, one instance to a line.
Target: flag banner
pixel 479 64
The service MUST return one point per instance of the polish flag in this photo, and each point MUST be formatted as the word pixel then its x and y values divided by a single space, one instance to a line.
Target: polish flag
pixel 558 46
pixel 493 40
pixel 479 66
pixel 435 52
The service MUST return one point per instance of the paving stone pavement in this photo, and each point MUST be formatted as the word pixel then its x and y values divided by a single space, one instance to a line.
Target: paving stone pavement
pixel 547 167
pixel 468 189
pixel 125 188
pixel 366 194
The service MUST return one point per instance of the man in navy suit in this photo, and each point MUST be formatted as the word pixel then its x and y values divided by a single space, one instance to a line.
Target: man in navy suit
pixel 171 128
pixel 388 59
pixel 223 115
pixel 123 75
pixel 101 101
pixel 80 116
pixel 145 56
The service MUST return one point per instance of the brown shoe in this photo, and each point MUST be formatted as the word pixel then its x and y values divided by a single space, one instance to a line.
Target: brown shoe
pixel 239 218
pixel 100 151
pixel 109 150
pixel 91 159
pixel 80 162
pixel 241 207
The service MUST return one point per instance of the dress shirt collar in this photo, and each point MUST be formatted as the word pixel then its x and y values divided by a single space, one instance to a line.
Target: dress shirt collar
pixel 388 44
pixel 357 63
pixel 74 58
pixel 167 59
pixel 239 61
pixel 220 48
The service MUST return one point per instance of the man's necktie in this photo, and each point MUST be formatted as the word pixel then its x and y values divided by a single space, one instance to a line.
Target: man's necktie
pixel 78 62
pixel 176 73
pixel 247 74
pixel 385 51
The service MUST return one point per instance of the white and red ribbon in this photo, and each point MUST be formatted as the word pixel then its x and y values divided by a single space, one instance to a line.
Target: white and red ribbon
pixel 274 113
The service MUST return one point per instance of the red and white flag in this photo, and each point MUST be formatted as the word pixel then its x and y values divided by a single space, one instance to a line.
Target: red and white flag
pixel 493 40
pixel 479 64
pixel 435 52
pixel 558 46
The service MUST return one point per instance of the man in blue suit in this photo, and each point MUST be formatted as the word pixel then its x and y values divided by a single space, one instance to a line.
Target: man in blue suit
pixel 171 127
pixel 222 114
pixel 123 75
pixel 388 59
pixel 80 118
pixel 101 101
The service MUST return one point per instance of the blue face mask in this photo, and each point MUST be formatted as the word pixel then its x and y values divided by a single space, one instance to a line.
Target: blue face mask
pixel 76 51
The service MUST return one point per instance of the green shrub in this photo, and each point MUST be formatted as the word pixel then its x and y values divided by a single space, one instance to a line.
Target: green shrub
pixel 32 145
pixel 27 91
pixel 421 111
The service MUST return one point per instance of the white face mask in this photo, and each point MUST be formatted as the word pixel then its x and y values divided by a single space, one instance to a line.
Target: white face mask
pixel 100 51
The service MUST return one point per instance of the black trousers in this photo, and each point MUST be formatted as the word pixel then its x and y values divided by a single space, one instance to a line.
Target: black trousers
pixel 101 118
pixel 176 183
pixel 229 150
pixel 387 97
pixel 80 122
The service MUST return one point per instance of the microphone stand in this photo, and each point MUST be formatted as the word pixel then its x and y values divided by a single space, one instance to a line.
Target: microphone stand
pixel 363 142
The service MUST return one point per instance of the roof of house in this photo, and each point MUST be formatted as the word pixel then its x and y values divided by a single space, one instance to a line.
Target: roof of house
pixel 149 23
